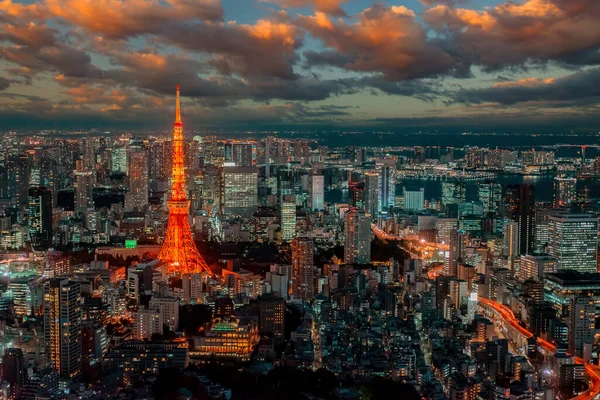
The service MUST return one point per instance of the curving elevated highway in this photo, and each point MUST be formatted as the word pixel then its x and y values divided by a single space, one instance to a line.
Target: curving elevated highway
pixel 593 371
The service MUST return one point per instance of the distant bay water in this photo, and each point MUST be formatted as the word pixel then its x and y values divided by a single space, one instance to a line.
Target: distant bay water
pixel 544 186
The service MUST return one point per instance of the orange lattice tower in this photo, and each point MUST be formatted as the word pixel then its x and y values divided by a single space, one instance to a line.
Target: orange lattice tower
pixel 179 249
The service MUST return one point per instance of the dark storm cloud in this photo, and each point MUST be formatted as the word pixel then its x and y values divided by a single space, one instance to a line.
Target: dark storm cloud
pixel 580 86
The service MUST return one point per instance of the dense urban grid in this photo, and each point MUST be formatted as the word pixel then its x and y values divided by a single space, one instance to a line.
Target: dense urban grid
pixel 218 268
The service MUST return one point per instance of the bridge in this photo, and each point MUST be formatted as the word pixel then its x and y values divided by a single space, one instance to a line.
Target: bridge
pixel 519 335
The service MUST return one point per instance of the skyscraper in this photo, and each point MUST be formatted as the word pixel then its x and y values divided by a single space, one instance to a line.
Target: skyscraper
pixel 303 268
pixel 357 229
pixel 13 371
pixel 574 241
pixel 388 187
pixel 453 192
pixel 241 154
pixel 565 191
pixel 490 195
pixel 288 218
pixel 62 325
pixel 519 202
pixel 84 185
pixel 178 249
pixel 137 171
pixel 582 324
pixel 40 216
pixel 317 192
pixel 372 193
pixel 239 190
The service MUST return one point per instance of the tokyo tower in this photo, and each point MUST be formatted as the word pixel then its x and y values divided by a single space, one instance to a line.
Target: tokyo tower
pixel 178 249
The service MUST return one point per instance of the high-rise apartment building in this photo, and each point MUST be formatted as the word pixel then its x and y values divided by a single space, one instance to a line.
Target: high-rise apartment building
pixel 574 241
pixel 84 185
pixel 62 326
pixel 357 231
pixel 303 268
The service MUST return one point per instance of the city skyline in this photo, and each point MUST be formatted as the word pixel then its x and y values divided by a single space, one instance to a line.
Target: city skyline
pixel 300 64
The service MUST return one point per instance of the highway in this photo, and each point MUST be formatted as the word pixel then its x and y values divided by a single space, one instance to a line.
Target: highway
pixel 593 371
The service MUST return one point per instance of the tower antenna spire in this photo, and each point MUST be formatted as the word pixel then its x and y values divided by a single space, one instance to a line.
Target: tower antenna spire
pixel 177 102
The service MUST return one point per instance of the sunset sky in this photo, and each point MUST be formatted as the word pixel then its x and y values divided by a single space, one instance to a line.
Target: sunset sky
pixel 477 64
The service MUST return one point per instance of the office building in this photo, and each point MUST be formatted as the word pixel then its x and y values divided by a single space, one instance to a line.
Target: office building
pixel 146 322
pixel 510 243
pixel 192 286
pixel 288 218
pixel 241 154
pixel 227 339
pixel 272 316
pixel 536 266
pixel 453 192
pixel 490 195
pixel 388 187
pixel 13 372
pixel 565 191
pixel 239 190
pixel 357 229
pixel 168 307
pixel 40 217
pixel 119 160
pixel 316 192
pixel 62 326
pixel 303 268
pixel 135 357
pixel 519 203
pixel 574 241
pixel 582 325
pixel 136 198
pixel 414 200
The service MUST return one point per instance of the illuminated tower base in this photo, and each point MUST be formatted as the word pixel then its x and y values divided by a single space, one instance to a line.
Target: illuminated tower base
pixel 179 250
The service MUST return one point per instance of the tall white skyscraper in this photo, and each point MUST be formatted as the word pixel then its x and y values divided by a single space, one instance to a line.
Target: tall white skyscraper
pixel 574 241
pixel 510 243
pixel 317 192
pixel 357 248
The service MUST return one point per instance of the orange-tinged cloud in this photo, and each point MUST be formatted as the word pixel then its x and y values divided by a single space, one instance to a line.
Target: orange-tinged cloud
pixel 123 18
pixel 525 82
pixel 332 7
